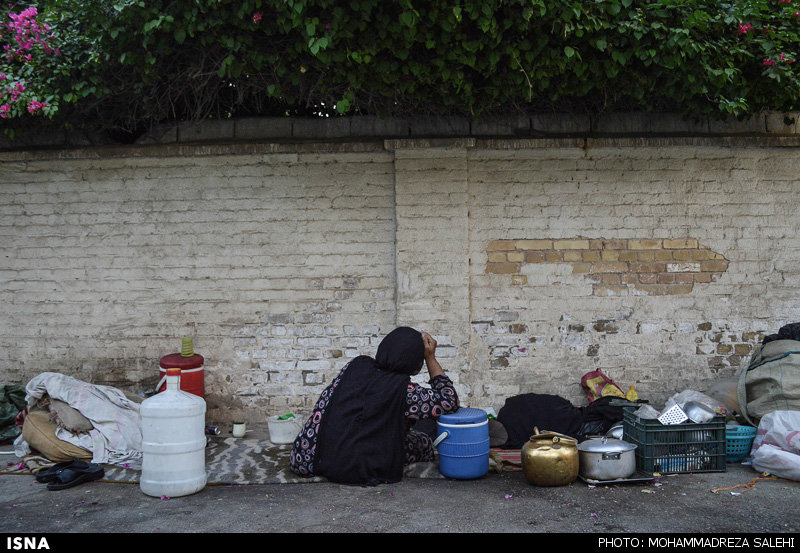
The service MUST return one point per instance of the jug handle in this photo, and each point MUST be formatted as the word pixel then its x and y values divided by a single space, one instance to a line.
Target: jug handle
pixel 163 379
pixel 439 439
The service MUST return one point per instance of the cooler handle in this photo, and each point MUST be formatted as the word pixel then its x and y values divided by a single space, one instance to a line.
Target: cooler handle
pixel 439 439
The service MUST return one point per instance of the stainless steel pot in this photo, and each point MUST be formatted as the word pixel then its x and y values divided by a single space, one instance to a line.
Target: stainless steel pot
pixel 606 459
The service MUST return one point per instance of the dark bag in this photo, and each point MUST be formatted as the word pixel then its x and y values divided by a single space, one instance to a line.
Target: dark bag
pixel 523 414
pixel 598 417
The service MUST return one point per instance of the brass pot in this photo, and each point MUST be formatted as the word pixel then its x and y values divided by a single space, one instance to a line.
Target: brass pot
pixel 550 459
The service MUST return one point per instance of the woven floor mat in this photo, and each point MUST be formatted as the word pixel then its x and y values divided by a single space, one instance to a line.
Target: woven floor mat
pixel 242 461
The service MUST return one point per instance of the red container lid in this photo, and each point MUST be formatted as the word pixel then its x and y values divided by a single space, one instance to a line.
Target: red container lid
pixel 178 361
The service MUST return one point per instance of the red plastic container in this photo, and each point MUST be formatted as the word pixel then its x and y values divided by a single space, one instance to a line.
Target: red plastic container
pixel 192 374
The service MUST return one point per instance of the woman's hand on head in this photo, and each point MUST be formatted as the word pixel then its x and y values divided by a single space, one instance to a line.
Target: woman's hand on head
pixel 430 345
pixel 434 368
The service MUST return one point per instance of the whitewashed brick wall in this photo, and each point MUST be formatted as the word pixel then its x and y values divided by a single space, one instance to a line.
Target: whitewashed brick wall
pixel 544 327
pixel 280 266
pixel 525 258
pixel 432 244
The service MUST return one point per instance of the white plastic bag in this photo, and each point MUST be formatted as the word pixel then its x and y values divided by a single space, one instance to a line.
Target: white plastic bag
pixel 647 412
pixel 776 447
pixel 686 396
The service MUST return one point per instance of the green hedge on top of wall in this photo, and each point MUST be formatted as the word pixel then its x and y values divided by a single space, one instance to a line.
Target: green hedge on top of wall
pixel 129 64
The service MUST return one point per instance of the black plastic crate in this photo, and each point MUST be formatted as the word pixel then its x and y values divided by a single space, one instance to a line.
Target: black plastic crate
pixel 676 448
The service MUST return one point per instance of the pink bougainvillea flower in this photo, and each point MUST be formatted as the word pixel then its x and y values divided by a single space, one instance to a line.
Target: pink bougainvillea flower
pixel 768 62
pixel 745 28
pixel 257 17
pixel 35 105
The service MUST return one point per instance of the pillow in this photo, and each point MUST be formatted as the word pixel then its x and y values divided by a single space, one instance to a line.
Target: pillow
pixel 40 433
pixel 68 417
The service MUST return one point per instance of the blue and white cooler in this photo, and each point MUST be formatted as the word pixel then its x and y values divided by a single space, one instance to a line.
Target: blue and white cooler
pixel 463 444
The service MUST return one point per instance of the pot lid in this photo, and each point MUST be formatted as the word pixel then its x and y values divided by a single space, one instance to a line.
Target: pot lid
pixel 178 361
pixel 605 445
pixel 465 415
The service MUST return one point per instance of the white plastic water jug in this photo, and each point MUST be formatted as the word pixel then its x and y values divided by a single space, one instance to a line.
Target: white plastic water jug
pixel 173 441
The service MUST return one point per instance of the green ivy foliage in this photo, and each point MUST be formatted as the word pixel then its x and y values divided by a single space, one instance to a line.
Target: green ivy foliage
pixel 134 63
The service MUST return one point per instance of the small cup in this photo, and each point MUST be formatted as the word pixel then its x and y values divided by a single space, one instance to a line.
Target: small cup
pixel 239 429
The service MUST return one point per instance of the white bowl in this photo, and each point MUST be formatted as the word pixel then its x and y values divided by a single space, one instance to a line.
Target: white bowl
pixel 697 412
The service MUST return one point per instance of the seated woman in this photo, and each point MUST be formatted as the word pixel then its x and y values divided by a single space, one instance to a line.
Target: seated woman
pixel 360 431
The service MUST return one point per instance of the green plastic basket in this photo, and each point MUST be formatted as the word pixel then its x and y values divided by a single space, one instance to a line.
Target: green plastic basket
pixel 738 441
pixel 676 448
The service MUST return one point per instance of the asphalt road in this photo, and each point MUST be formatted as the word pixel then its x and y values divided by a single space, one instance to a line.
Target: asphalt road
pixel 497 503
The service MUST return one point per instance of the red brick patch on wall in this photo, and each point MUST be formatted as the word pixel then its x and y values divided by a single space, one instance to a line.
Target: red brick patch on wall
pixel 649 266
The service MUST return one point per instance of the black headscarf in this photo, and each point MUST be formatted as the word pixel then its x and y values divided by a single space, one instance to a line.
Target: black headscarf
pixel 362 435
pixel 401 351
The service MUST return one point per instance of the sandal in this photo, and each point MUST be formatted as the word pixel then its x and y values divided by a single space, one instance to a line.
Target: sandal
pixel 51 473
pixel 73 475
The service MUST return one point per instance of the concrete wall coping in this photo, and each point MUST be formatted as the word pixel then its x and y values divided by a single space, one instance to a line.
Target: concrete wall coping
pixel 353 134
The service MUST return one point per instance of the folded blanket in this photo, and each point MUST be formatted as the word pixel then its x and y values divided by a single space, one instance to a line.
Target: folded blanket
pixel 507 460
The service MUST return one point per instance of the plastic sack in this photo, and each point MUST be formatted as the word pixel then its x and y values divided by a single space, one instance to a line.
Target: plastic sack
pixel 647 412
pixel 771 382
pixel 776 447
pixel 598 385
pixel 690 395
pixel 724 391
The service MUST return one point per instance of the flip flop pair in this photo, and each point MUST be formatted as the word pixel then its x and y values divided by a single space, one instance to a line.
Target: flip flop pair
pixel 69 474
